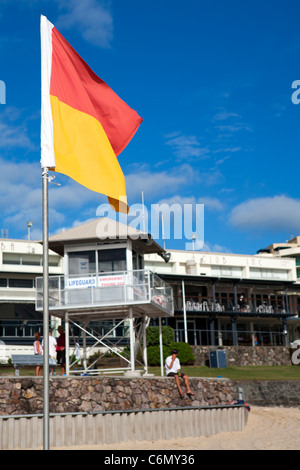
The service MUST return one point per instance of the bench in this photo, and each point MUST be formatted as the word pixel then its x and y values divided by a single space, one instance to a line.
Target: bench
pixel 22 360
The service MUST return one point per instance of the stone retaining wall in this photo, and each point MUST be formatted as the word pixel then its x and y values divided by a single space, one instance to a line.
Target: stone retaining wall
pixel 24 395
pixel 271 392
pixel 247 355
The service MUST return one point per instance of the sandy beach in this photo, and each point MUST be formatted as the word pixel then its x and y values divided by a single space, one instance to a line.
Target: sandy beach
pixel 268 428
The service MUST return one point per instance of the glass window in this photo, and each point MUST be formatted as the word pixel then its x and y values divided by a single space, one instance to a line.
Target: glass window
pixel 137 261
pixel 11 258
pixel 31 260
pixel 112 260
pixel 82 262
pixel 232 271
pixel 22 283
pixel 53 260
pixel 269 273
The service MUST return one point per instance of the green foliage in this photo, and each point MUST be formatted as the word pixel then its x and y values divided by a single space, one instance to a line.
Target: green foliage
pixel 152 332
pixel 185 353
pixel 153 354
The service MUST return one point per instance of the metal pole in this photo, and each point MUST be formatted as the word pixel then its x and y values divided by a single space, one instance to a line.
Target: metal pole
pixel 67 339
pixel 287 301
pixel 131 333
pixel 45 311
pixel 145 356
pixel 184 312
pixel 161 349
pixel 84 349
pixel 212 317
pixel 214 296
pixel 212 329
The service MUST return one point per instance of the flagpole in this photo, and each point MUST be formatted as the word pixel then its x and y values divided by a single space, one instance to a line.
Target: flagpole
pixel 45 311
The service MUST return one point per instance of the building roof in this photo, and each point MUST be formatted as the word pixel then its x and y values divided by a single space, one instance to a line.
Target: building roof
pixel 274 247
pixel 102 229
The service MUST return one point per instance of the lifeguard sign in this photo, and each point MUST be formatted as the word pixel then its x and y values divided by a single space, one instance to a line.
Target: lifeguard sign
pixel 2 92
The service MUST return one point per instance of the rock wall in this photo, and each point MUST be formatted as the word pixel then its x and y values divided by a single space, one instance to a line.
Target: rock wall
pixel 24 395
pixel 272 393
pixel 247 355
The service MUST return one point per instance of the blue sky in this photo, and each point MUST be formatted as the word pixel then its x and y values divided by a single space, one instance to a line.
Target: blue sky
pixel 213 83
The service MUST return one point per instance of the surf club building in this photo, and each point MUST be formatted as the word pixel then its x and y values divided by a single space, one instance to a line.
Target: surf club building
pixel 108 282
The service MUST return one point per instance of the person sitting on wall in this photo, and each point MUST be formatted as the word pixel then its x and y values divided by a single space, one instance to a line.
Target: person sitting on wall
pixel 172 366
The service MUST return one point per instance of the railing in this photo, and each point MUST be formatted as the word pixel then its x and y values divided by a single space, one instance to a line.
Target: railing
pixel 202 337
pixel 207 305
pixel 20 328
pixel 106 289
pixel 25 329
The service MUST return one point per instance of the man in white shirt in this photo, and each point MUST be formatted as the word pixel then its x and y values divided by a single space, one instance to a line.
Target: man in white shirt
pixel 52 351
pixel 172 366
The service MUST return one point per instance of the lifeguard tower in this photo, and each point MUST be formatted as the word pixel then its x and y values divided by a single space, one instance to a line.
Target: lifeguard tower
pixel 105 280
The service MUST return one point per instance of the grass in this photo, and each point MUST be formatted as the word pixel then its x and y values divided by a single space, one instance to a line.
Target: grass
pixel 233 373
pixel 241 373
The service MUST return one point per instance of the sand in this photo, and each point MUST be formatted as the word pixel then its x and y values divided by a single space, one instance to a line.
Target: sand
pixel 268 428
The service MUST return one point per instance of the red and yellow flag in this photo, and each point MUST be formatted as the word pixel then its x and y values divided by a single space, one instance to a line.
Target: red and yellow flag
pixel 84 125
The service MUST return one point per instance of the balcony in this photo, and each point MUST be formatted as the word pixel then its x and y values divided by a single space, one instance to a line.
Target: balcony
pixel 109 294
pixel 227 306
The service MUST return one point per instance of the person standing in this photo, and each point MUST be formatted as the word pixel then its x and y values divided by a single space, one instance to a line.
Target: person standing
pixel 61 350
pixel 37 351
pixel 52 352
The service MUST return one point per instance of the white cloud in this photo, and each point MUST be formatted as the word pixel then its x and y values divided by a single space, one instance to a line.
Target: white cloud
pixel 21 198
pixel 158 184
pixel 210 203
pixel 12 134
pixel 162 184
pixel 90 17
pixel 237 127
pixel 186 146
pixel 215 248
pixel 277 213
pixel 224 115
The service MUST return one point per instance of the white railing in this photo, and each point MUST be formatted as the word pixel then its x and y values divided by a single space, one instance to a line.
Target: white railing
pixel 107 289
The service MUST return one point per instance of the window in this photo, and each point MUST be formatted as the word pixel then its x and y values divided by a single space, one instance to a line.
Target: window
pixel 31 260
pixel 11 258
pixel 22 283
pixel 263 273
pixel 112 260
pixel 137 261
pixel 53 261
pixel 227 271
pixel 82 262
